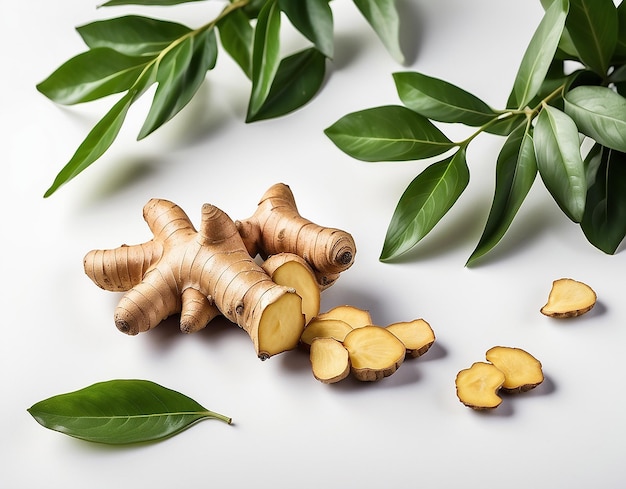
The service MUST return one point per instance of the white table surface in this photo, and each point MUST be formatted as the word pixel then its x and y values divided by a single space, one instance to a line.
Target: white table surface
pixel 290 430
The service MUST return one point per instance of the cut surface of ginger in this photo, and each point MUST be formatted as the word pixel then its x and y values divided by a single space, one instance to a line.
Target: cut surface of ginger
pixel 521 370
pixel 324 328
pixel 352 315
pixel 569 298
pixel 374 352
pixel 477 387
pixel 417 336
pixel 280 326
pixel 330 361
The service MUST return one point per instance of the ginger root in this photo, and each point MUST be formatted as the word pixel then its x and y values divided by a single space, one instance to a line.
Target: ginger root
pixel 353 316
pixel 569 298
pixel 417 336
pixel 330 361
pixel 521 370
pixel 210 272
pixel 477 387
pixel 324 328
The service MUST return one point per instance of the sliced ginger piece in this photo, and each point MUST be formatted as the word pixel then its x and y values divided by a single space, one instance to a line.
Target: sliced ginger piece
pixel 374 352
pixel 352 315
pixel 569 298
pixel 330 361
pixel 477 387
pixel 293 271
pixel 417 336
pixel 521 370
pixel 324 328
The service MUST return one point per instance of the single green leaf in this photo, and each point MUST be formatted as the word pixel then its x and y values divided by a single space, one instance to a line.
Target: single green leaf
pixel 388 133
pixel 91 75
pixel 592 26
pixel 179 75
pixel 298 79
pixel 132 35
pixel 425 201
pixel 566 49
pixel 559 161
pixel 314 19
pixel 265 55
pixel 157 3
pixel 539 55
pixel 96 143
pixel 383 16
pixel 604 221
pixel 121 412
pixel 236 35
pixel 516 170
pixel 441 101
pixel 600 113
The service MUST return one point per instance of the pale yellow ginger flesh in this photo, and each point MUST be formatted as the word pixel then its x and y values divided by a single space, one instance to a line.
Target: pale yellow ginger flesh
pixel 477 387
pixel 569 298
pixel 324 328
pixel 521 370
pixel 374 352
pixel 293 271
pixel 417 336
pixel 352 315
pixel 330 361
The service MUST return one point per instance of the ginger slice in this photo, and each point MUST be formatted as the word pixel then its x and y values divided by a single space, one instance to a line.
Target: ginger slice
pixel 293 271
pixel 352 315
pixel 521 370
pixel 569 298
pixel 330 361
pixel 477 387
pixel 324 328
pixel 374 352
pixel 417 336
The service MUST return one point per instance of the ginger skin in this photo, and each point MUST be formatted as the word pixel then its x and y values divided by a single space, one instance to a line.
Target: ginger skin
pixel 200 274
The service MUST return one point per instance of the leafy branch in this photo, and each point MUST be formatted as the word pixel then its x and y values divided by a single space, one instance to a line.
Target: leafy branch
pixel 571 82
pixel 129 54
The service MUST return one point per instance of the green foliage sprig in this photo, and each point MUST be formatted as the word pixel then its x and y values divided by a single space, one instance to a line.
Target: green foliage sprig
pixel 131 53
pixel 120 412
pixel 571 82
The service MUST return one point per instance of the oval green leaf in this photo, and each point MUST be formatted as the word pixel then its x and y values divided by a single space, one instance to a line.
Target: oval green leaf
pixel 539 55
pixel 604 221
pixel 388 133
pixel 298 79
pixel 600 113
pixel 236 35
pixel 132 35
pixel 121 412
pixel 314 20
pixel 383 16
pixel 425 201
pixel 441 101
pixel 559 161
pixel 593 28
pixel 516 170
pixel 92 75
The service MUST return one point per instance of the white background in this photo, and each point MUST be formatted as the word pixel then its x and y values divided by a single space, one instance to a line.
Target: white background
pixel 290 430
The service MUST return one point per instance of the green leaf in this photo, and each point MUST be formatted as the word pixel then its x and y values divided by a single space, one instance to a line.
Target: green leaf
pixel 112 3
pixel 620 45
pixel 539 55
pixel 516 170
pixel 120 412
pixel 559 161
pixel 265 55
pixel 298 79
pixel 91 75
pixel 314 19
pixel 425 201
pixel 96 143
pixel 592 26
pixel 388 133
pixel 236 35
pixel 600 113
pixel 180 74
pixel 383 16
pixel 604 221
pixel 132 35
pixel 441 101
